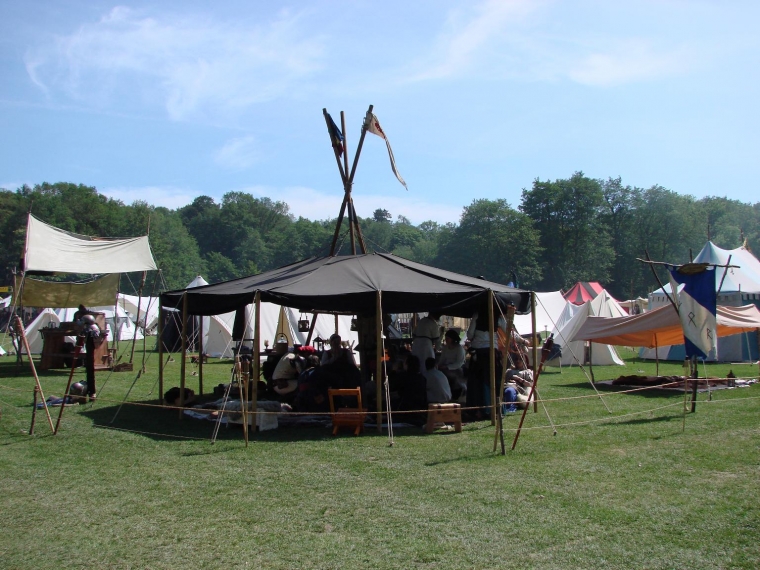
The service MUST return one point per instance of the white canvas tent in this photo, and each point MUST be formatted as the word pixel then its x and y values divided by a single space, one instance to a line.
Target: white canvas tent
pixel 217 329
pixel 147 319
pixel 550 307
pixel 574 352
pixel 120 326
pixel 46 318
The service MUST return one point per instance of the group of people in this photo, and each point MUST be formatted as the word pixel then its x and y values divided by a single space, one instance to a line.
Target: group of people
pixel 467 368
pixel 302 377
pixel 437 368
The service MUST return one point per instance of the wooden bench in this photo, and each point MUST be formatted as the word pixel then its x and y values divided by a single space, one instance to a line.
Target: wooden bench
pixel 443 413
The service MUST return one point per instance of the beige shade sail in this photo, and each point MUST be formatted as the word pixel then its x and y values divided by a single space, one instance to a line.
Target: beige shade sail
pixel 662 327
pixel 36 293
pixel 53 249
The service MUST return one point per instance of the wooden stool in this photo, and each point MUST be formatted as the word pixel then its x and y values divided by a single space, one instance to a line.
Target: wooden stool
pixel 442 413
pixel 347 417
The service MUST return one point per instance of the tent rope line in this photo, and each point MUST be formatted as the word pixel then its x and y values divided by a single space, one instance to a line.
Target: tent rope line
pixel 616 393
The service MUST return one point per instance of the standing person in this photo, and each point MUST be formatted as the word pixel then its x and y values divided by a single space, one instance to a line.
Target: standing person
pixel 427 337
pixel 451 363
pixel 93 337
pixel 478 381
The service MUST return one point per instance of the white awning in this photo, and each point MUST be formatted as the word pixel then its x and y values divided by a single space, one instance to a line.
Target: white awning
pixel 52 249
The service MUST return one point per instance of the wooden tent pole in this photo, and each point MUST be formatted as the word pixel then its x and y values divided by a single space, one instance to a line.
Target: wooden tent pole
pixel 534 342
pixel 337 225
pixel 184 355
pixel 499 415
pixel 359 235
pixel 311 327
pixel 200 353
pixel 492 356
pixel 160 350
pixel 139 300
pixel 656 356
pixel 256 374
pixel 37 386
pixel 367 118
pixel 380 356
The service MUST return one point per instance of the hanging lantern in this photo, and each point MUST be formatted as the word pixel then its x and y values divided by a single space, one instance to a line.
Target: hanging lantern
pixel 353 324
pixel 303 323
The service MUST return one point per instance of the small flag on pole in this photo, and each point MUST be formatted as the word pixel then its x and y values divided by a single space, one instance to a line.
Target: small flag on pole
pixel 697 305
pixel 335 136
pixel 373 126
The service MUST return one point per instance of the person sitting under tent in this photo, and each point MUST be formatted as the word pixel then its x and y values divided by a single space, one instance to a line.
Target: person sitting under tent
pixel 438 389
pixel 519 381
pixel 427 337
pixel 412 387
pixel 312 395
pixel 337 352
pixel 285 375
pixel 451 362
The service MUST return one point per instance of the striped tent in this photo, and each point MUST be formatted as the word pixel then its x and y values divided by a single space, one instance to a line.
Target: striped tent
pixel 583 291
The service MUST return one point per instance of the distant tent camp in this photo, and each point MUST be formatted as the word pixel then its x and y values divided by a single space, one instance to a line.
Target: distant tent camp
pixel 549 309
pixel 574 351
pixel 583 291
pixel 741 286
pixel 45 319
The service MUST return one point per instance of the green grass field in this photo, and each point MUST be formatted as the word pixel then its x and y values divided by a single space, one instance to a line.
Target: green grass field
pixel 626 489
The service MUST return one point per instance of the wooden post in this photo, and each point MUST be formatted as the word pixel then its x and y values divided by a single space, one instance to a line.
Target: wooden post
pixel 656 356
pixel 535 347
pixel 500 395
pixel 311 328
pixel 37 386
pixel 695 384
pixel 200 355
pixel 492 356
pixel 380 355
pixel 256 358
pixel 184 355
pixel 160 351
pixel 74 357
pixel 139 301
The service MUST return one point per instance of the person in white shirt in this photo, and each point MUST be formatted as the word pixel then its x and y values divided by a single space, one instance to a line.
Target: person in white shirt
pixel 427 337
pixel 438 389
pixel 451 363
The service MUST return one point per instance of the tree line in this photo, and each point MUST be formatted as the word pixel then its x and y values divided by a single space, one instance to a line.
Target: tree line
pixel 562 231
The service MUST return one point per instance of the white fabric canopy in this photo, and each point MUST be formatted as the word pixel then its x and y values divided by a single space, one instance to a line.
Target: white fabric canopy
pixel 52 249
pixel 549 308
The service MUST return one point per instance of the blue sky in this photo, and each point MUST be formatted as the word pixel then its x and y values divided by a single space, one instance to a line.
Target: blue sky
pixel 166 101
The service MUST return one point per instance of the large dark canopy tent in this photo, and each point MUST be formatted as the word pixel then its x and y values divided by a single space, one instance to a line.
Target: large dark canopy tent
pixel 349 284
pixel 364 284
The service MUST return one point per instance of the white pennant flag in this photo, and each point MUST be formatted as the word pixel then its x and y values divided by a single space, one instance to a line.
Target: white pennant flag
pixel 375 128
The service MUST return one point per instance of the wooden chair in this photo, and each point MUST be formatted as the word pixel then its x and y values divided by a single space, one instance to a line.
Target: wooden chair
pixel 442 413
pixel 347 417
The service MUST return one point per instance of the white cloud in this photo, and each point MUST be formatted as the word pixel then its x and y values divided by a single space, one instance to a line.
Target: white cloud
pixel 165 196
pixel 238 154
pixel 315 205
pixel 191 65
pixel 519 40
pixel 628 61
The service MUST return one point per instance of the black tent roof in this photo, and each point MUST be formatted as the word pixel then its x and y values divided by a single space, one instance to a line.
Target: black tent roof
pixel 349 284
